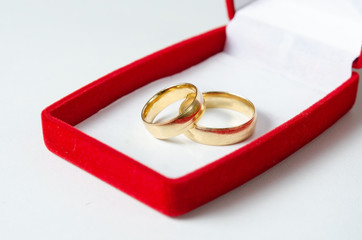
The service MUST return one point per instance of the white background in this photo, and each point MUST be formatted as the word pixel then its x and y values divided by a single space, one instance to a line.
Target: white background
pixel 49 49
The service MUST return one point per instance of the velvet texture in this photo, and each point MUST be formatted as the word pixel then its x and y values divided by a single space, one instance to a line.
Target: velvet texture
pixel 230 8
pixel 358 62
pixel 174 197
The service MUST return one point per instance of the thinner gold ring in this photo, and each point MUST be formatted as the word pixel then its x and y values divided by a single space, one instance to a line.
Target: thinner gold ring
pixel 191 113
pixel 224 136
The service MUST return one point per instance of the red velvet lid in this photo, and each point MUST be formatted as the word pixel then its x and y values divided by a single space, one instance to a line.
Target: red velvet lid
pixel 358 62
pixel 230 5
pixel 230 8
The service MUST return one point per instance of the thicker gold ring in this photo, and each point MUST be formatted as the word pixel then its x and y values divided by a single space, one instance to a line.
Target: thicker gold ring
pixel 224 136
pixel 191 113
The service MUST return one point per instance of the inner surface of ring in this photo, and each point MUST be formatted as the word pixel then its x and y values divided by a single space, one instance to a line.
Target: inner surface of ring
pixel 167 97
pixel 224 100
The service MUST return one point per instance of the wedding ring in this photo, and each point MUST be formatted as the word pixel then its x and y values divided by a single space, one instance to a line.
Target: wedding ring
pixel 224 136
pixel 191 113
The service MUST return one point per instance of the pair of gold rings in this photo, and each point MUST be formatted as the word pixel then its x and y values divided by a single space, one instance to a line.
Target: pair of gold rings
pixel 191 111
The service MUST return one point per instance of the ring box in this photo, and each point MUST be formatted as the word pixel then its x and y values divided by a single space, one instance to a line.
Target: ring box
pixel 176 195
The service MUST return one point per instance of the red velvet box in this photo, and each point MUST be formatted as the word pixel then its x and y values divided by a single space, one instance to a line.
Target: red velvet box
pixel 176 196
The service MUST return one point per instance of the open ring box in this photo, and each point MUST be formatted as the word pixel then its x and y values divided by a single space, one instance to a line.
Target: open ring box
pixel 293 60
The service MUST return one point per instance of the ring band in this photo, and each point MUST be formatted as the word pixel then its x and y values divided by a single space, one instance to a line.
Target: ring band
pixel 191 113
pixel 224 136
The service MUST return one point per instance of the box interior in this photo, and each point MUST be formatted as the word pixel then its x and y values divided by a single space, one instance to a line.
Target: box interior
pixel 284 58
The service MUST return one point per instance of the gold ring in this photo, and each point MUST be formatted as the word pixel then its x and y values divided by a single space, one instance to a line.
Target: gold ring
pixel 191 113
pixel 224 136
